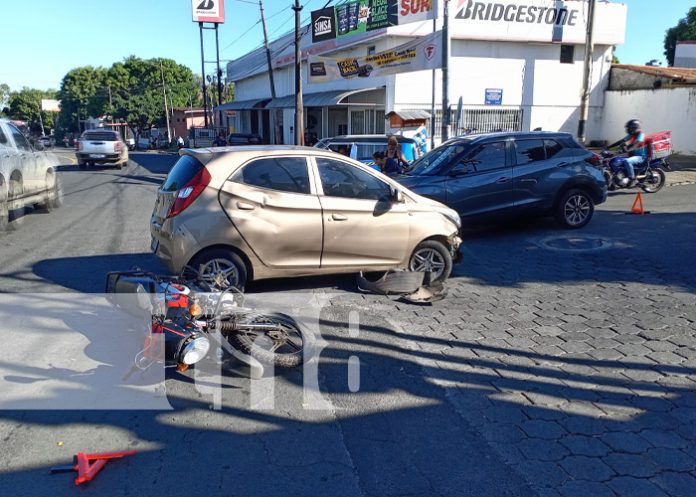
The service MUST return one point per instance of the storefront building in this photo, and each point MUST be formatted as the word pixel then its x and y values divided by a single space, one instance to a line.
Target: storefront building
pixel 515 65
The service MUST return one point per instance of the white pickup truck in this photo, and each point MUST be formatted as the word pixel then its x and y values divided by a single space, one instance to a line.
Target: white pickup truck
pixel 27 177
pixel 101 146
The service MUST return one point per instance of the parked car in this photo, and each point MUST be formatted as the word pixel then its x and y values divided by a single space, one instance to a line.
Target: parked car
pixel 101 146
pixel 496 175
pixel 244 139
pixel 362 147
pixel 278 211
pixel 27 177
pixel 47 141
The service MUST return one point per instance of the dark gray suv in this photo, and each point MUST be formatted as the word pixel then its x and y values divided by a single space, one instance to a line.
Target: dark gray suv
pixel 496 175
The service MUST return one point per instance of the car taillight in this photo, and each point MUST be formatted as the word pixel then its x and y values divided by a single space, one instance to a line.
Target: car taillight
pixel 595 160
pixel 117 146
pixel 190 192
pixel 78 145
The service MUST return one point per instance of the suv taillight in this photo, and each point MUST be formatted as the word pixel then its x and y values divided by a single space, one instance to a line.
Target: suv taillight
pixel 189 192
pixel 117 146
pixel 78 145
pixel 595 160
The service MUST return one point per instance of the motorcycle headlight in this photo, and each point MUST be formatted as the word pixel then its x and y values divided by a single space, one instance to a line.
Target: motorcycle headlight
pixel 450 214
pixel 194 349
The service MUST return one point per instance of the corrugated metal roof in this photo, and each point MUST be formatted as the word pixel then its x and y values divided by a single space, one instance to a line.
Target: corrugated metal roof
pixel 407 115
pixel 243 104
pixel 677 74
pixel 319 99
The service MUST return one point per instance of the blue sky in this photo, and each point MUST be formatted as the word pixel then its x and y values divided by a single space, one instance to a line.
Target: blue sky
pixel 40 45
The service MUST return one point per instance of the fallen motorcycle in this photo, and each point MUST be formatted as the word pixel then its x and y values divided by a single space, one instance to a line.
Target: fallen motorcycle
pixel 189 321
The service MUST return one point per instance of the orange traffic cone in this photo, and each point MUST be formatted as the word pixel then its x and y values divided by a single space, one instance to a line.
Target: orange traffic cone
pixel 638 205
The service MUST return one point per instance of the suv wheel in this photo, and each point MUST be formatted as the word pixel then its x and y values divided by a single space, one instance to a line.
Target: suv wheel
pixel 220 268
pixel 434 257
pixel 575 209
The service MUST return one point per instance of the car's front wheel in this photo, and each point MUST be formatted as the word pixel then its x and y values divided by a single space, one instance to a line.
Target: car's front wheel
pixel 575 209
pixel 432 256
pixel 220 268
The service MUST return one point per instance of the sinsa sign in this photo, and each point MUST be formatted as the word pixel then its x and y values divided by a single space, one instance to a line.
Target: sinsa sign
pixel 560 21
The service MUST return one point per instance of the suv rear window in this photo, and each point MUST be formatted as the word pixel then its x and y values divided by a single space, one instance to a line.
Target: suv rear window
pixel 183 171
pixel 106 136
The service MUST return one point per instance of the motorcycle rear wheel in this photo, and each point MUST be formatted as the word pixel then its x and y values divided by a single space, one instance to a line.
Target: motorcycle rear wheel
pixel 283 348
pixel 654 182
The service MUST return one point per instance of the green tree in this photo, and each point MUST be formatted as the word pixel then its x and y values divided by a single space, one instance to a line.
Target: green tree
pixel 684 30
pixel 25 105
pixel 4 98
pixel 80 96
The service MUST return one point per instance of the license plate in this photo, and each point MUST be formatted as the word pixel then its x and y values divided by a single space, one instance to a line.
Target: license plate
pixel 97 156
pixel 153 245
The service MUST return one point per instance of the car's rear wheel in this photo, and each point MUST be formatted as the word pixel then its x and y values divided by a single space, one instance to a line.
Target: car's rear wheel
pixel 575 209
pixel 220 268
pixel 432 256
pixel 54 194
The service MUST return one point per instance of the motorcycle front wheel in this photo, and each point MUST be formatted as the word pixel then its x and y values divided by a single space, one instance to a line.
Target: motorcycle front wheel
pixel 654 182
pixel 272 338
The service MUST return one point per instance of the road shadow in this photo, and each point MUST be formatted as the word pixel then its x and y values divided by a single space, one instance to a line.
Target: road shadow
pixel 433 415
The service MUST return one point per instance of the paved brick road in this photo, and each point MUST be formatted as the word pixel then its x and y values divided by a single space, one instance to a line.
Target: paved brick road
pixel 577 366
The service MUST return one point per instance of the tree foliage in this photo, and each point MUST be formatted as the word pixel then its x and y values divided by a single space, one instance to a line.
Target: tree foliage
pixel 684 30
pixel 4 98
pixel 25 105
pixel 131 91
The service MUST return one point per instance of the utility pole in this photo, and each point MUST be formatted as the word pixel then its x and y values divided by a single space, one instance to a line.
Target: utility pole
pixel 205 95
pixel 432 101
pixel 587 74
pixel 268 50
pixel 219 78
pixel 276 138
pixel 299 118
pixel 445 73
pixel 166 110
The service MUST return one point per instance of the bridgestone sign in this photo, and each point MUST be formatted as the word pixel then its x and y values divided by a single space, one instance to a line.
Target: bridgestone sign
pixel 529 14
pixel 557 21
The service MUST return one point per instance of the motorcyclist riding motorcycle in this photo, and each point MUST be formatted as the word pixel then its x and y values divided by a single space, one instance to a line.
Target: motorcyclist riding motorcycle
pixel 635 144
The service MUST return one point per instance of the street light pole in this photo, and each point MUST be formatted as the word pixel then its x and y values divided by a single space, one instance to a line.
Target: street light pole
pixel 205 96
pixel 299 118
pixel 445 73
pixel 587 74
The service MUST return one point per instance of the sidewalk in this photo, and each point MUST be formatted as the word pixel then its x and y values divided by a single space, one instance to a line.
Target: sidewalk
pixel 683 170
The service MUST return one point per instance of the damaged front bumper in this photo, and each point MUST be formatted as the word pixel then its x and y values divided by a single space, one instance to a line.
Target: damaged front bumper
pixel 455 242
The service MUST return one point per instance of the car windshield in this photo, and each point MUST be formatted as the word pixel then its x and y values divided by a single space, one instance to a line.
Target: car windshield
pixel 434 161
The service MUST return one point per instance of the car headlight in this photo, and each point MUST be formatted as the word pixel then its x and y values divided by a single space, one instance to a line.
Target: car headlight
pixel 194 349
pixel 450 214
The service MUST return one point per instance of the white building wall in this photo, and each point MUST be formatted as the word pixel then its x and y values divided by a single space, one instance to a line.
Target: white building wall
pixel 530 75
pixel 658 110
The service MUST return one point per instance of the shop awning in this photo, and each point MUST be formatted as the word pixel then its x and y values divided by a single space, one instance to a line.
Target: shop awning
pixel 365 97
pixel 408 115
pixel 244 104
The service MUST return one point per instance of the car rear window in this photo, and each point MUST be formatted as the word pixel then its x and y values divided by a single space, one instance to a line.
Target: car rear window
pixel 285 174
pixel 183 171
pixel 105 136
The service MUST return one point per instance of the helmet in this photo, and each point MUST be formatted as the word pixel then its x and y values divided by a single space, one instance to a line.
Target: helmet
pixel 633 126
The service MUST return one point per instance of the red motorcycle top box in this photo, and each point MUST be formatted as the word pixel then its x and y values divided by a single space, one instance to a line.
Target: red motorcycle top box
pixel 659 144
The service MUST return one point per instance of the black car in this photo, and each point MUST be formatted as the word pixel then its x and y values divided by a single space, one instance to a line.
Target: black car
pixel 244 139
pixel 496 175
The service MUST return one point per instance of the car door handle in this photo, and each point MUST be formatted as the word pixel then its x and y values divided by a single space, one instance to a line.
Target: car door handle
pixel 339 217
pixel 504 179
pixel 561 164
pixel 245 207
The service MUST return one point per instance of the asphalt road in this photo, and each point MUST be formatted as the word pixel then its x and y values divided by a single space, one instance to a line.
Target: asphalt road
pixel 560 364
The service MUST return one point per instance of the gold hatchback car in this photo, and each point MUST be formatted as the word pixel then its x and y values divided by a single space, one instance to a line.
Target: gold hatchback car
pixel 240 213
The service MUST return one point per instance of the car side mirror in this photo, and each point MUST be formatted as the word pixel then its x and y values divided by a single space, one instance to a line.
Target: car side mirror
pixel 397 196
